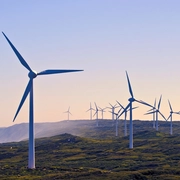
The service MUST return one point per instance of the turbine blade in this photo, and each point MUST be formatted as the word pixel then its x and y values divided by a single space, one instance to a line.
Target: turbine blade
pixel 125 109
pixel 151 109
pixel 21 59
pixel 150 113
pixel 95 113
pixel 56 71
pixel 129 84
pixel 135 107
pixel 111 105
pixel 168 117
pixel 159 102
pixel 100 108
pixel 162 115
pixel 170 105
pixel 96 106
pixel 155 103
pixel 115 106
pixel 26 92
pixel 144 103
pixel 120 110
pixel 120 104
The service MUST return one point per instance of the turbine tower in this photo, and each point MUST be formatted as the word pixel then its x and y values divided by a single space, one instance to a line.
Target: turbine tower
pixel 29 90
pixel 154 114
pixel 68 112
pixel 170 116
pixel 131 100
pixel 90 109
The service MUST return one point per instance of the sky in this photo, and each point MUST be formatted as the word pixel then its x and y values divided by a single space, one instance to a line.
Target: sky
pixel 105 38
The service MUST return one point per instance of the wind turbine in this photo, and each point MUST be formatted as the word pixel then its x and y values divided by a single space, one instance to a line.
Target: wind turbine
pixel 68 112
pixel 131 100
pixel 90 109
pixel 117 117
pixel 29 90
pixel 112 109
pixel 170 116
pixel 102 112
pixel 125 115
pixel 96 113
pixel 154 110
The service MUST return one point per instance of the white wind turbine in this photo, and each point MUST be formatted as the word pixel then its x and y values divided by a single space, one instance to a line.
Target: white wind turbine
pixel 90 109
pixel 102 112
pixel 170 116
pixel 131 100
pixel 68 113
pixel 154 110
pixel 29 90
pixel 112 109
pixel 96 113
pixel 116 121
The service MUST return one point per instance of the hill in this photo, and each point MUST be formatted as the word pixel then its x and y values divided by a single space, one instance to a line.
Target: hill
pixel 155 156
pixel 83 128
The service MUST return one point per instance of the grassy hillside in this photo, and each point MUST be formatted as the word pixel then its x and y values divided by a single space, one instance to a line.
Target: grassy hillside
pixel 155 155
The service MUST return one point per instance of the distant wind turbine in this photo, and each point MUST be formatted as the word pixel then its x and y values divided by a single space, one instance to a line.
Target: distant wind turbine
pixel 29 90
pixel 102 112
pixel 125 116
pixel 170 116
pixel 154 110
pixel 90 109
pixel 116 121
pixel 96 113
pixel 68 112
pixel 131 100
pixel 112 109
pixel 153 113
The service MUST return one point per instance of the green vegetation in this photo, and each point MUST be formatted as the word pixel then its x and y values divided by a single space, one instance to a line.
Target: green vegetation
pixel 155 155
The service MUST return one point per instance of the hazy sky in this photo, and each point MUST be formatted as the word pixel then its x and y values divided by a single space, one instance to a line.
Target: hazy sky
pixel 103 37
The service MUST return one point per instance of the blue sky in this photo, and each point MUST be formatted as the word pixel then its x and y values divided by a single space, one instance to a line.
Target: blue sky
pixel 103 37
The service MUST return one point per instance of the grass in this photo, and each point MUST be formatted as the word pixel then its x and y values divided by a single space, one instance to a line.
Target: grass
pixel 155 155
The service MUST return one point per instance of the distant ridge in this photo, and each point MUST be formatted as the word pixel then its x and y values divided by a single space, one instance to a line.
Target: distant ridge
pixel 83 128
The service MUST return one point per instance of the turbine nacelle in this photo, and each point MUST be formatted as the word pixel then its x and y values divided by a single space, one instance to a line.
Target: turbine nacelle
pixel 131 99
pixel 32 74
